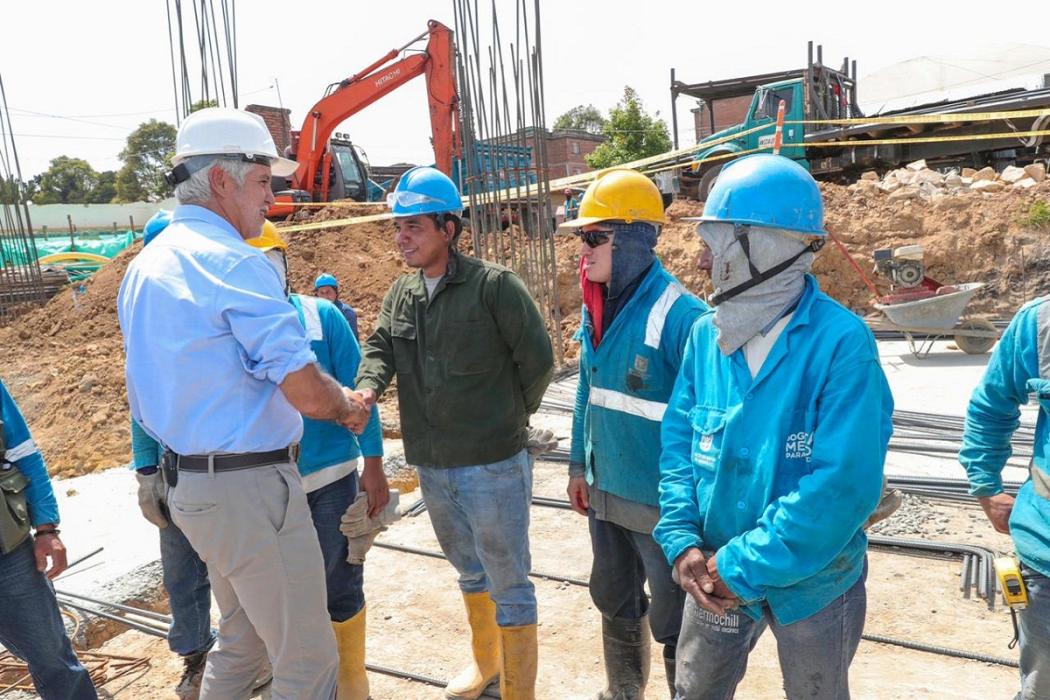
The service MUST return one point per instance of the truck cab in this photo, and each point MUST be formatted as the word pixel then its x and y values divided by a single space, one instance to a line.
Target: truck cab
pixel 347 171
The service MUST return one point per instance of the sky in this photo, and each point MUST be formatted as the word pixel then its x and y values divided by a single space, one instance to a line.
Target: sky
pixel 80 76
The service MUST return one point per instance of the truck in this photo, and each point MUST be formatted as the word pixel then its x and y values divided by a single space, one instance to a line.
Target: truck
pixel 819 92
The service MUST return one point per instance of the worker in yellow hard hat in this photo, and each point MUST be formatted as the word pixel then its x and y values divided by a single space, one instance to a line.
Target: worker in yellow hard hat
pixel 347 509
pixel 635 321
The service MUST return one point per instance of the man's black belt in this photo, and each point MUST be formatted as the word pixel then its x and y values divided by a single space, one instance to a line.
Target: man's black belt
pixel 231 462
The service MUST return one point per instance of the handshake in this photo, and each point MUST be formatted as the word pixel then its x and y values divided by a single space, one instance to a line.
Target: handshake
pixel 358 409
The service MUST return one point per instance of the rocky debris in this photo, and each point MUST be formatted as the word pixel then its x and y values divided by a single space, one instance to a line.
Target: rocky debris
pixel 917 181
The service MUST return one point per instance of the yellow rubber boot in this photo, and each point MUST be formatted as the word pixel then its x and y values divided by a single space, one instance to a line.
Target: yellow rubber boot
pixel 517 680
pixel 484 642
pixel 350 639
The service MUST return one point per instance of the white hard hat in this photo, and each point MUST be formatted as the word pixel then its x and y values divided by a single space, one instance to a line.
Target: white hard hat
pixel 221 131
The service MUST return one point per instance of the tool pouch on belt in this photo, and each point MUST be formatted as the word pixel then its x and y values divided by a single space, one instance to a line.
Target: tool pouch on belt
pixel 14 512
pixel 169 468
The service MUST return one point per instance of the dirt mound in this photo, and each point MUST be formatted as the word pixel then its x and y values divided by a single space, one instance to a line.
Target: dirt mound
pixel 64 362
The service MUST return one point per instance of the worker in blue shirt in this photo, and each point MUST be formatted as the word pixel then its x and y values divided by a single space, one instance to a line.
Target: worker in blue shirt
pixel 220 371
pixel 773 447
pixel 572 205
pixel 327 287
pixel 30 625
pixel 328 465
pixel 1018 370
pixel 634 325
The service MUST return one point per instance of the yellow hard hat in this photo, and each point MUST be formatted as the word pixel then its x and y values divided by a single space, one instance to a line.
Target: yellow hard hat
pixel 268 239
pixel 620 194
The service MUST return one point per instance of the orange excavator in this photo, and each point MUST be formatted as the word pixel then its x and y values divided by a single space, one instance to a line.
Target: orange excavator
pixel 329 168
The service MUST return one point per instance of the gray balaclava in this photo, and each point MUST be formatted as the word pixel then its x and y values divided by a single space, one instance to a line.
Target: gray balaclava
pixel 633 253
pixel 743 316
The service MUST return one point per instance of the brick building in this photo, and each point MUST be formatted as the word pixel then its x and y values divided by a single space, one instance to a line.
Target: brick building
pixel 566 150
pixel 728 111
pixel 278 121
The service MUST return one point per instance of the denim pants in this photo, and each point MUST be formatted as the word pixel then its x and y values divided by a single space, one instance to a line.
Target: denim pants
pixel 1034 627
pixel 343 581
pixel 623 561
pixel 31 628
pixel 480 515
pixel 815 653
pixel 189 593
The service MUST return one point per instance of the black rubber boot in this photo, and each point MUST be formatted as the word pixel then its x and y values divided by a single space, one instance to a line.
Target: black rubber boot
pixel 626 645
pixel 669 657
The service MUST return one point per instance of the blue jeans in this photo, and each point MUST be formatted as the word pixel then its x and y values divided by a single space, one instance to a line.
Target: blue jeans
pixel 480 515
pixel 189 593
pixel 623 561
pixel 815 653
pixel 1034 627
pixel 344 581
pixel 31 628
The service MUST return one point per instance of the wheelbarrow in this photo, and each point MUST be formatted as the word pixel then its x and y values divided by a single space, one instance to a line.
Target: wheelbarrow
pixel 939 314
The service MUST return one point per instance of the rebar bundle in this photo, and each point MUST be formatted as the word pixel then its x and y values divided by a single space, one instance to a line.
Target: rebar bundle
pixel 502 122
pixel 203 45
pixel 21 285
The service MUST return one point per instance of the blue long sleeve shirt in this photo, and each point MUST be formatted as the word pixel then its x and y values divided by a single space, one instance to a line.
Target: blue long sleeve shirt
pixel 1019 368
pixel 209 335
pixel 778 473
pixel 20 450
pixel 324 443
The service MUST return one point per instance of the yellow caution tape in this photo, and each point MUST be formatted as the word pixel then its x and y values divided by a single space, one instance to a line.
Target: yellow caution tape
pixel 335 223
pixel 938 118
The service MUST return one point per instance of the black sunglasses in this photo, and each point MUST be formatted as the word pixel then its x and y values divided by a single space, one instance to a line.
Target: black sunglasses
pixel 595 238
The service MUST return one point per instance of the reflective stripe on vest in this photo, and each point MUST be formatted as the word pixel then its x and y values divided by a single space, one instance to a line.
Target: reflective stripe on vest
pixel 20 451
pixel 632 405
pixel 1040 479
pixel 311 318
pixel 654 327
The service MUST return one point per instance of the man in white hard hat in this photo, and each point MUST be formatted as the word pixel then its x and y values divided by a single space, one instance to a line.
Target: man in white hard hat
pixel 219 370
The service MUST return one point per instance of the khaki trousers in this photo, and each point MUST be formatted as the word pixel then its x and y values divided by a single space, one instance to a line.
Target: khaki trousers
pixel 253 529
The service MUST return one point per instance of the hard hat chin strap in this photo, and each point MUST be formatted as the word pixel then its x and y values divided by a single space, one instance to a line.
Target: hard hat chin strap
pixel 741 233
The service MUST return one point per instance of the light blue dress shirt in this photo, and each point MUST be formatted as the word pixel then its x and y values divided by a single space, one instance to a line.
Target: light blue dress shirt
pixel 209 336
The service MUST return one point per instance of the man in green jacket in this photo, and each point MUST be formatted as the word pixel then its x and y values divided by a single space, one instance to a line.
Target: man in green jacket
pixel 472 359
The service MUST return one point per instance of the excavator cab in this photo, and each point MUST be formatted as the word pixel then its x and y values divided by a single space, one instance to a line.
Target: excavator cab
pixel 347 174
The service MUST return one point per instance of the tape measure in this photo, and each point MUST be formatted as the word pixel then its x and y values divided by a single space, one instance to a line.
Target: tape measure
pixel 1015 595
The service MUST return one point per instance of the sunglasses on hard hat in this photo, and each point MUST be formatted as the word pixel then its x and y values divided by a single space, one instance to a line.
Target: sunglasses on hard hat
pixel 594 238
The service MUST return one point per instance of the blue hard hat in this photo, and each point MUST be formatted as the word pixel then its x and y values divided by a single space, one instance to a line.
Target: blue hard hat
pixel 424 190
pixel 326 280
pixel 157 223
pixel 769 191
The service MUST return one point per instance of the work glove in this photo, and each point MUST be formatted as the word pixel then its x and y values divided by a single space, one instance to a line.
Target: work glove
pixel 360 530
pixel 151 495
pixel 540 441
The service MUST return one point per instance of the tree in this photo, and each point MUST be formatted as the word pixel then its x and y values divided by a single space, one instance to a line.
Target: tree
pixel 203 104
pixel 105 188
pixel 630 134
pixel 587 118
pixel 147 156
pixel 66 181
pixel 11 187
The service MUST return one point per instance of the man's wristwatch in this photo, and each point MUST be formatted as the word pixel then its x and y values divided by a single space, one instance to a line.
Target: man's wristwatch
pixel 47 529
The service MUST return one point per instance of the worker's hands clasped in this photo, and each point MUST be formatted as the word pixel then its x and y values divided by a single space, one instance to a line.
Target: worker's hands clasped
pixel 998 509
pixel 151 496
pixel 699 578
pixel 357 414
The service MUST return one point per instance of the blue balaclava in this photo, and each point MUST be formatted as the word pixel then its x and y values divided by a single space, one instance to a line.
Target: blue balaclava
pixel 633 253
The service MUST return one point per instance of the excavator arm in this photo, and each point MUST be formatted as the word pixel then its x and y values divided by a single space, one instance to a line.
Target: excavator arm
pixel 374 82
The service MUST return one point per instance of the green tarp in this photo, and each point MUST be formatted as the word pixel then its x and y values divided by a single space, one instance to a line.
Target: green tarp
pixel 105 244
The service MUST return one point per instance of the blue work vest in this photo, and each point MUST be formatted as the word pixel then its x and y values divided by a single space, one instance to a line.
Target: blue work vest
pixel 625 383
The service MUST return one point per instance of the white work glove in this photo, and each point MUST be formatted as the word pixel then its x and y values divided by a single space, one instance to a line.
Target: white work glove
pixel 540 441
pixel 360 530
pixel 151 495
